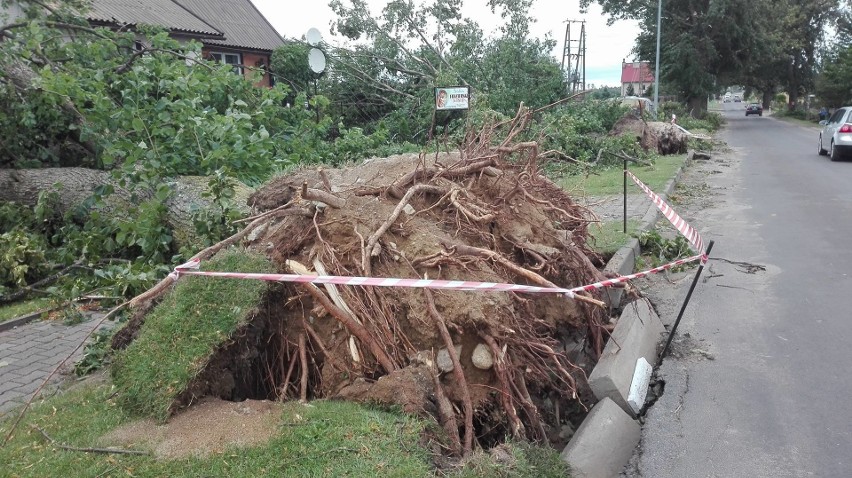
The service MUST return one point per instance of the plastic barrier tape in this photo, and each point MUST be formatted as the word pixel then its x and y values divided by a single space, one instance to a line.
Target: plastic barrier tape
pixel 620 279
pixel 192 268
pixel 690 233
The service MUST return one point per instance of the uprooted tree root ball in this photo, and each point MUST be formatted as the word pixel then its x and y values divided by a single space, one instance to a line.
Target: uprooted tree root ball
pixel 486 365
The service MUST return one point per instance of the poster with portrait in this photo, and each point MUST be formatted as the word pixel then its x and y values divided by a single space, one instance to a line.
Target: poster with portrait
pixel 452 98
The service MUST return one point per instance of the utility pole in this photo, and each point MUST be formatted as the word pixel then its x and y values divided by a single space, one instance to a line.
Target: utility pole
pixel 575 52
pixel 657 61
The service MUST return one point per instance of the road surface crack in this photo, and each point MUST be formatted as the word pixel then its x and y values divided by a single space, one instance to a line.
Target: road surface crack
pixel 682 396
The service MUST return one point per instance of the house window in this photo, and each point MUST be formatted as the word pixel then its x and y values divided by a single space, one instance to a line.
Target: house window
pixel 229 59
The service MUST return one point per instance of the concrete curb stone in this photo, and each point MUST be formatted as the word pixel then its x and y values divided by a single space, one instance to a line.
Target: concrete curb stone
pixel 611 463
pixel 603 443
pixel 24 319
pixel 636 335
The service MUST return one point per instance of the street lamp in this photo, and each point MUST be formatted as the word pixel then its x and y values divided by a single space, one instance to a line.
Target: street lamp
pixel 657 62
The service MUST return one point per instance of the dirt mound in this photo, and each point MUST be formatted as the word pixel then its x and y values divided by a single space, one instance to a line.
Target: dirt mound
pixel 490 364
pixel 209 427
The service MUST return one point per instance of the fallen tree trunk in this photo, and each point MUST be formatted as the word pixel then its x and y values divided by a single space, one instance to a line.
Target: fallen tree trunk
pixel 663 138
pixel 23 186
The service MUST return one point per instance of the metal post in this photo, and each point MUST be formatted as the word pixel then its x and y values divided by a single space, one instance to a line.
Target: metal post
pixel 685 302
pixel 657 61
pixel 625 196
pixel 316 92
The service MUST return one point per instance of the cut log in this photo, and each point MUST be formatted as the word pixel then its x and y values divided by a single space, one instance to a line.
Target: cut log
pixel 664 138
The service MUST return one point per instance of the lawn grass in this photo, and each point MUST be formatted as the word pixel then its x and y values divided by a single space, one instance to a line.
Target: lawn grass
pixel 608 237
pixel 610 181
pixel 18 309
pixel 181 333
pixel 792 119
pixel 319 439
pixel 323 438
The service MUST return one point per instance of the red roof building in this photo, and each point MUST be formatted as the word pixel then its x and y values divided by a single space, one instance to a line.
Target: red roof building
pixel 638 74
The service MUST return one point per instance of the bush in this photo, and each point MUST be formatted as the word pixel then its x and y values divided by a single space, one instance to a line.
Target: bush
pixel 786 112
pixel 580 129
pixel 710 122
pixel 21 258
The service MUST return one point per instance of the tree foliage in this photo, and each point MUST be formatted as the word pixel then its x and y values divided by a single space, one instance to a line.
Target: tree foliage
pixel 387 77
pixel 832 85
pixel 707 44
pixel 72 95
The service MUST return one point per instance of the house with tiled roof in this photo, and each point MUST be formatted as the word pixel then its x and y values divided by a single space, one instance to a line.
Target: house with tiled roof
pixel 636 74
pixel 231 31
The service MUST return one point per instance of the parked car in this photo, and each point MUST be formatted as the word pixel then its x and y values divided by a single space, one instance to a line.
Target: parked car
pixel 754 109
pixel 835 138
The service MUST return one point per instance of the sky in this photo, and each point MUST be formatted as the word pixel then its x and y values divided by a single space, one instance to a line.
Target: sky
pixel 606 46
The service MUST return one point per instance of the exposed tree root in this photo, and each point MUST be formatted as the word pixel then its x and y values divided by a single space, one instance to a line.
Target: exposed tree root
pixel 458 371
pixel 446 414
pixel 303 363
pixel 485 214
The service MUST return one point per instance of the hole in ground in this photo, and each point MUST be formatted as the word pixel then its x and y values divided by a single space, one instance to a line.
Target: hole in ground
pixel 261 362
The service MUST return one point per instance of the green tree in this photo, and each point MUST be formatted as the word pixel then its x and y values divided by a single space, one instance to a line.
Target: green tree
pixel 702 41
pixel 289 65
pixel 392 72
pixel 832 85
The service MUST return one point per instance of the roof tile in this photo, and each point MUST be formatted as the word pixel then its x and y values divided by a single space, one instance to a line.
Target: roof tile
pixel 241 22
pixel 636 72
pixel 165 13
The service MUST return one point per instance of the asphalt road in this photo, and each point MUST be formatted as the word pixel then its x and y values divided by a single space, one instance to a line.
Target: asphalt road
pixel 758 384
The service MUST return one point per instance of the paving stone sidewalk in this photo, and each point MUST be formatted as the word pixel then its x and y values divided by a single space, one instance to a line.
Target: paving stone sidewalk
pixel 30 352
pixel 611 208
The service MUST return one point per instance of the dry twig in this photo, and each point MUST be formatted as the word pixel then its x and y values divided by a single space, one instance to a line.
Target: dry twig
pixel 117 451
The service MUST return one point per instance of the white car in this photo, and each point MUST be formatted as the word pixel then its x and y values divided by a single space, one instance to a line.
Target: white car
pixel 835 139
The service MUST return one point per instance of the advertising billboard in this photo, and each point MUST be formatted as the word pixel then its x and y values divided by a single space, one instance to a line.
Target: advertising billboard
pixel 452 98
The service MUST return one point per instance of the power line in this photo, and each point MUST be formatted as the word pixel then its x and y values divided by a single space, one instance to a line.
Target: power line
pixel 575 52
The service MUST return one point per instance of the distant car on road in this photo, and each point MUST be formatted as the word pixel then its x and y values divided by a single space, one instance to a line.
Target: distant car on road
pixel 737 98
pixel 754 109
pixel 835 138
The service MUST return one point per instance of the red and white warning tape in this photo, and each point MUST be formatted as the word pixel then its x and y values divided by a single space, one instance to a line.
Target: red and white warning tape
pixel 689 232
pixel 620 279
pixel 192 268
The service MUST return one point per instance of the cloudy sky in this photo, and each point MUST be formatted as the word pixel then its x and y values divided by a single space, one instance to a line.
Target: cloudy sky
pixel 606 46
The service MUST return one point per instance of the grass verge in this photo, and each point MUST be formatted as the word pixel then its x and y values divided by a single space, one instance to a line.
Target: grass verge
pixel 610 181
pixel 608 237
pixel 520 460
pixel 324 438
pixel 814 124
pixel 181 333
pixel 18 309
